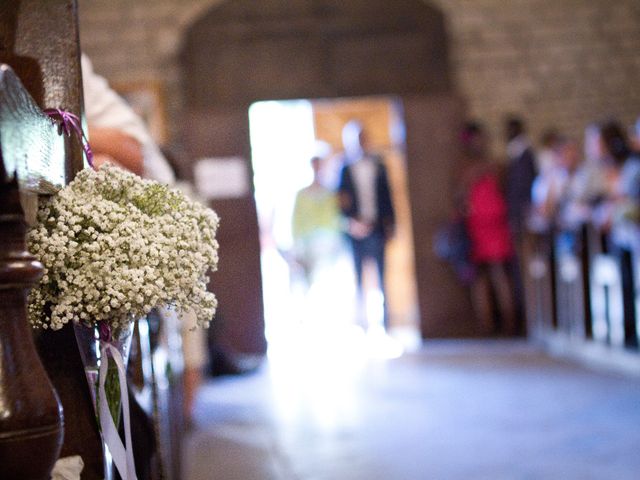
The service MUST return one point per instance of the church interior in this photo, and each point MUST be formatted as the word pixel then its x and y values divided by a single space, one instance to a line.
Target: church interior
pixel 417 222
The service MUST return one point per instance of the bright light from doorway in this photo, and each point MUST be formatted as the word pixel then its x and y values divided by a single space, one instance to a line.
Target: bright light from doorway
pixel 283 142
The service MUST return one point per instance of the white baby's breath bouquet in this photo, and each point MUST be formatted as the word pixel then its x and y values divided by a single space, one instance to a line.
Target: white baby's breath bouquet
pixel 115 246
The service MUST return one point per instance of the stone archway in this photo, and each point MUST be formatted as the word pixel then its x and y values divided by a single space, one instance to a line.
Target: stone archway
pixel 236 54
pixel 314 48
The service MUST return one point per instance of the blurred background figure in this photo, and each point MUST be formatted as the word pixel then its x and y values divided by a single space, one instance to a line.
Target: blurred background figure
pixel 557 186
pixel 568 193
pixel 491 248
pixel 588 185
pixel 635 134
pixel 365 202
pixel 620 216
pixel 116 133
pixel 546 154
pixel 624 184
pixel 621 177
pixel 546 184
pixel 521 172
pixel 315 226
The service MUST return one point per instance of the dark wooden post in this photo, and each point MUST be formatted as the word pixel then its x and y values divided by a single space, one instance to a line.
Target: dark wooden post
pixel 31 425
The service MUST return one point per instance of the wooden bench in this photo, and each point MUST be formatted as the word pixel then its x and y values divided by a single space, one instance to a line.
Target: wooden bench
pixel 539 283
pixel 572 282
pixel 605 282
pixel 583 291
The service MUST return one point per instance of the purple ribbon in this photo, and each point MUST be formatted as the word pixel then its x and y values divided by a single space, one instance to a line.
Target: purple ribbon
pixel 70 123
pixel 105 331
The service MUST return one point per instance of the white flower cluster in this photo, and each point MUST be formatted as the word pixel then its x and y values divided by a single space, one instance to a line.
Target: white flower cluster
pixel 115 246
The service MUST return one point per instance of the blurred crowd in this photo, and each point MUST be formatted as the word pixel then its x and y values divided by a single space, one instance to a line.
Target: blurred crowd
pixel 559 183
pixel 598 183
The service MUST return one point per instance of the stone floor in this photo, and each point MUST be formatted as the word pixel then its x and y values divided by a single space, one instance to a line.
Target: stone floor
pixel 452 410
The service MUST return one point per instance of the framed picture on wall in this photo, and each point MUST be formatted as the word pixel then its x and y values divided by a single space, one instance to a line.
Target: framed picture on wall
pixel 146 97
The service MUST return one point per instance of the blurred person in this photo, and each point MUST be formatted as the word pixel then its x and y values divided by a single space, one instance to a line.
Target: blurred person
pixel 635 140
pixel 624 219
pixel 568 208
pixel 365 201
pixel 491 247
pixel 315 225
pixel 116 133
pixel 625 192
pixel 546 154
pixel 563 205
pixel 590 184
pixel 547 183
pixel 521 172
pixel 622 177
pixel 554 189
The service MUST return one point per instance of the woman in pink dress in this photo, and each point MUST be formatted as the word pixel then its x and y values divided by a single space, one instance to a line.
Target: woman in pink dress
pixel 488 230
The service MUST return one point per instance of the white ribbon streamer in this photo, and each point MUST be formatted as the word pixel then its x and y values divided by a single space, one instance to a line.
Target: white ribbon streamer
pixel 122 457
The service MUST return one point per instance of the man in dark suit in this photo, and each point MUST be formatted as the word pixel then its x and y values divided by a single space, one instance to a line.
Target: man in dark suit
pixel 521 171
pixel 365 201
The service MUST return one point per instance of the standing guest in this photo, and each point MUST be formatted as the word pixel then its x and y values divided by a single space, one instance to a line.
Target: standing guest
pixel 117 134
pixel 567 197
pixel 625 190
pixel 547 183
pixel 558 185
pixel 546 154
pixel 315 226
pixel 624 218
pixel 635 140
pixel 590 182
pixel 488 229
pixel 521 172
pixel 621 176
pixel 365 201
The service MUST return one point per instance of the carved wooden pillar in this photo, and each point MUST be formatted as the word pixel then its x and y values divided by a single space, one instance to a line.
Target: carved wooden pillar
pixel 39 40
pixel 30 414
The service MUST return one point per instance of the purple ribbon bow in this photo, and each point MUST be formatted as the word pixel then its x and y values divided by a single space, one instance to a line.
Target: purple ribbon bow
pixel 105 331
pixel 70 123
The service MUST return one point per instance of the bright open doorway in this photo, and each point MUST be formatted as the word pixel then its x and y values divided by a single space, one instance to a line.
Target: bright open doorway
pixel 322 305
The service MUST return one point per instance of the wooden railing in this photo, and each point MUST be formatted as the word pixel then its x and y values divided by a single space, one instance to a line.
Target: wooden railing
pixel 583 288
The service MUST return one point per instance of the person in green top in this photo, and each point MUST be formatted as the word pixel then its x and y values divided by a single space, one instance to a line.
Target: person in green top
pixel 315 225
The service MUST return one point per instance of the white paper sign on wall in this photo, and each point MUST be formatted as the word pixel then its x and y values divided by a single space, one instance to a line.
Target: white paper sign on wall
pixel 222 177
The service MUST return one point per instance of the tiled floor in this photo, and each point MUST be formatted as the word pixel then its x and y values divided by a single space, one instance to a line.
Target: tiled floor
pixel 454 410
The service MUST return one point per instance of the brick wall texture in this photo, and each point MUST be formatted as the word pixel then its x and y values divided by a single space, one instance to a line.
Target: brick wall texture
pixel 561 63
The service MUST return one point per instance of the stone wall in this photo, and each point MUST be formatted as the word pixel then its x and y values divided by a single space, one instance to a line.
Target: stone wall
pixel 562 63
